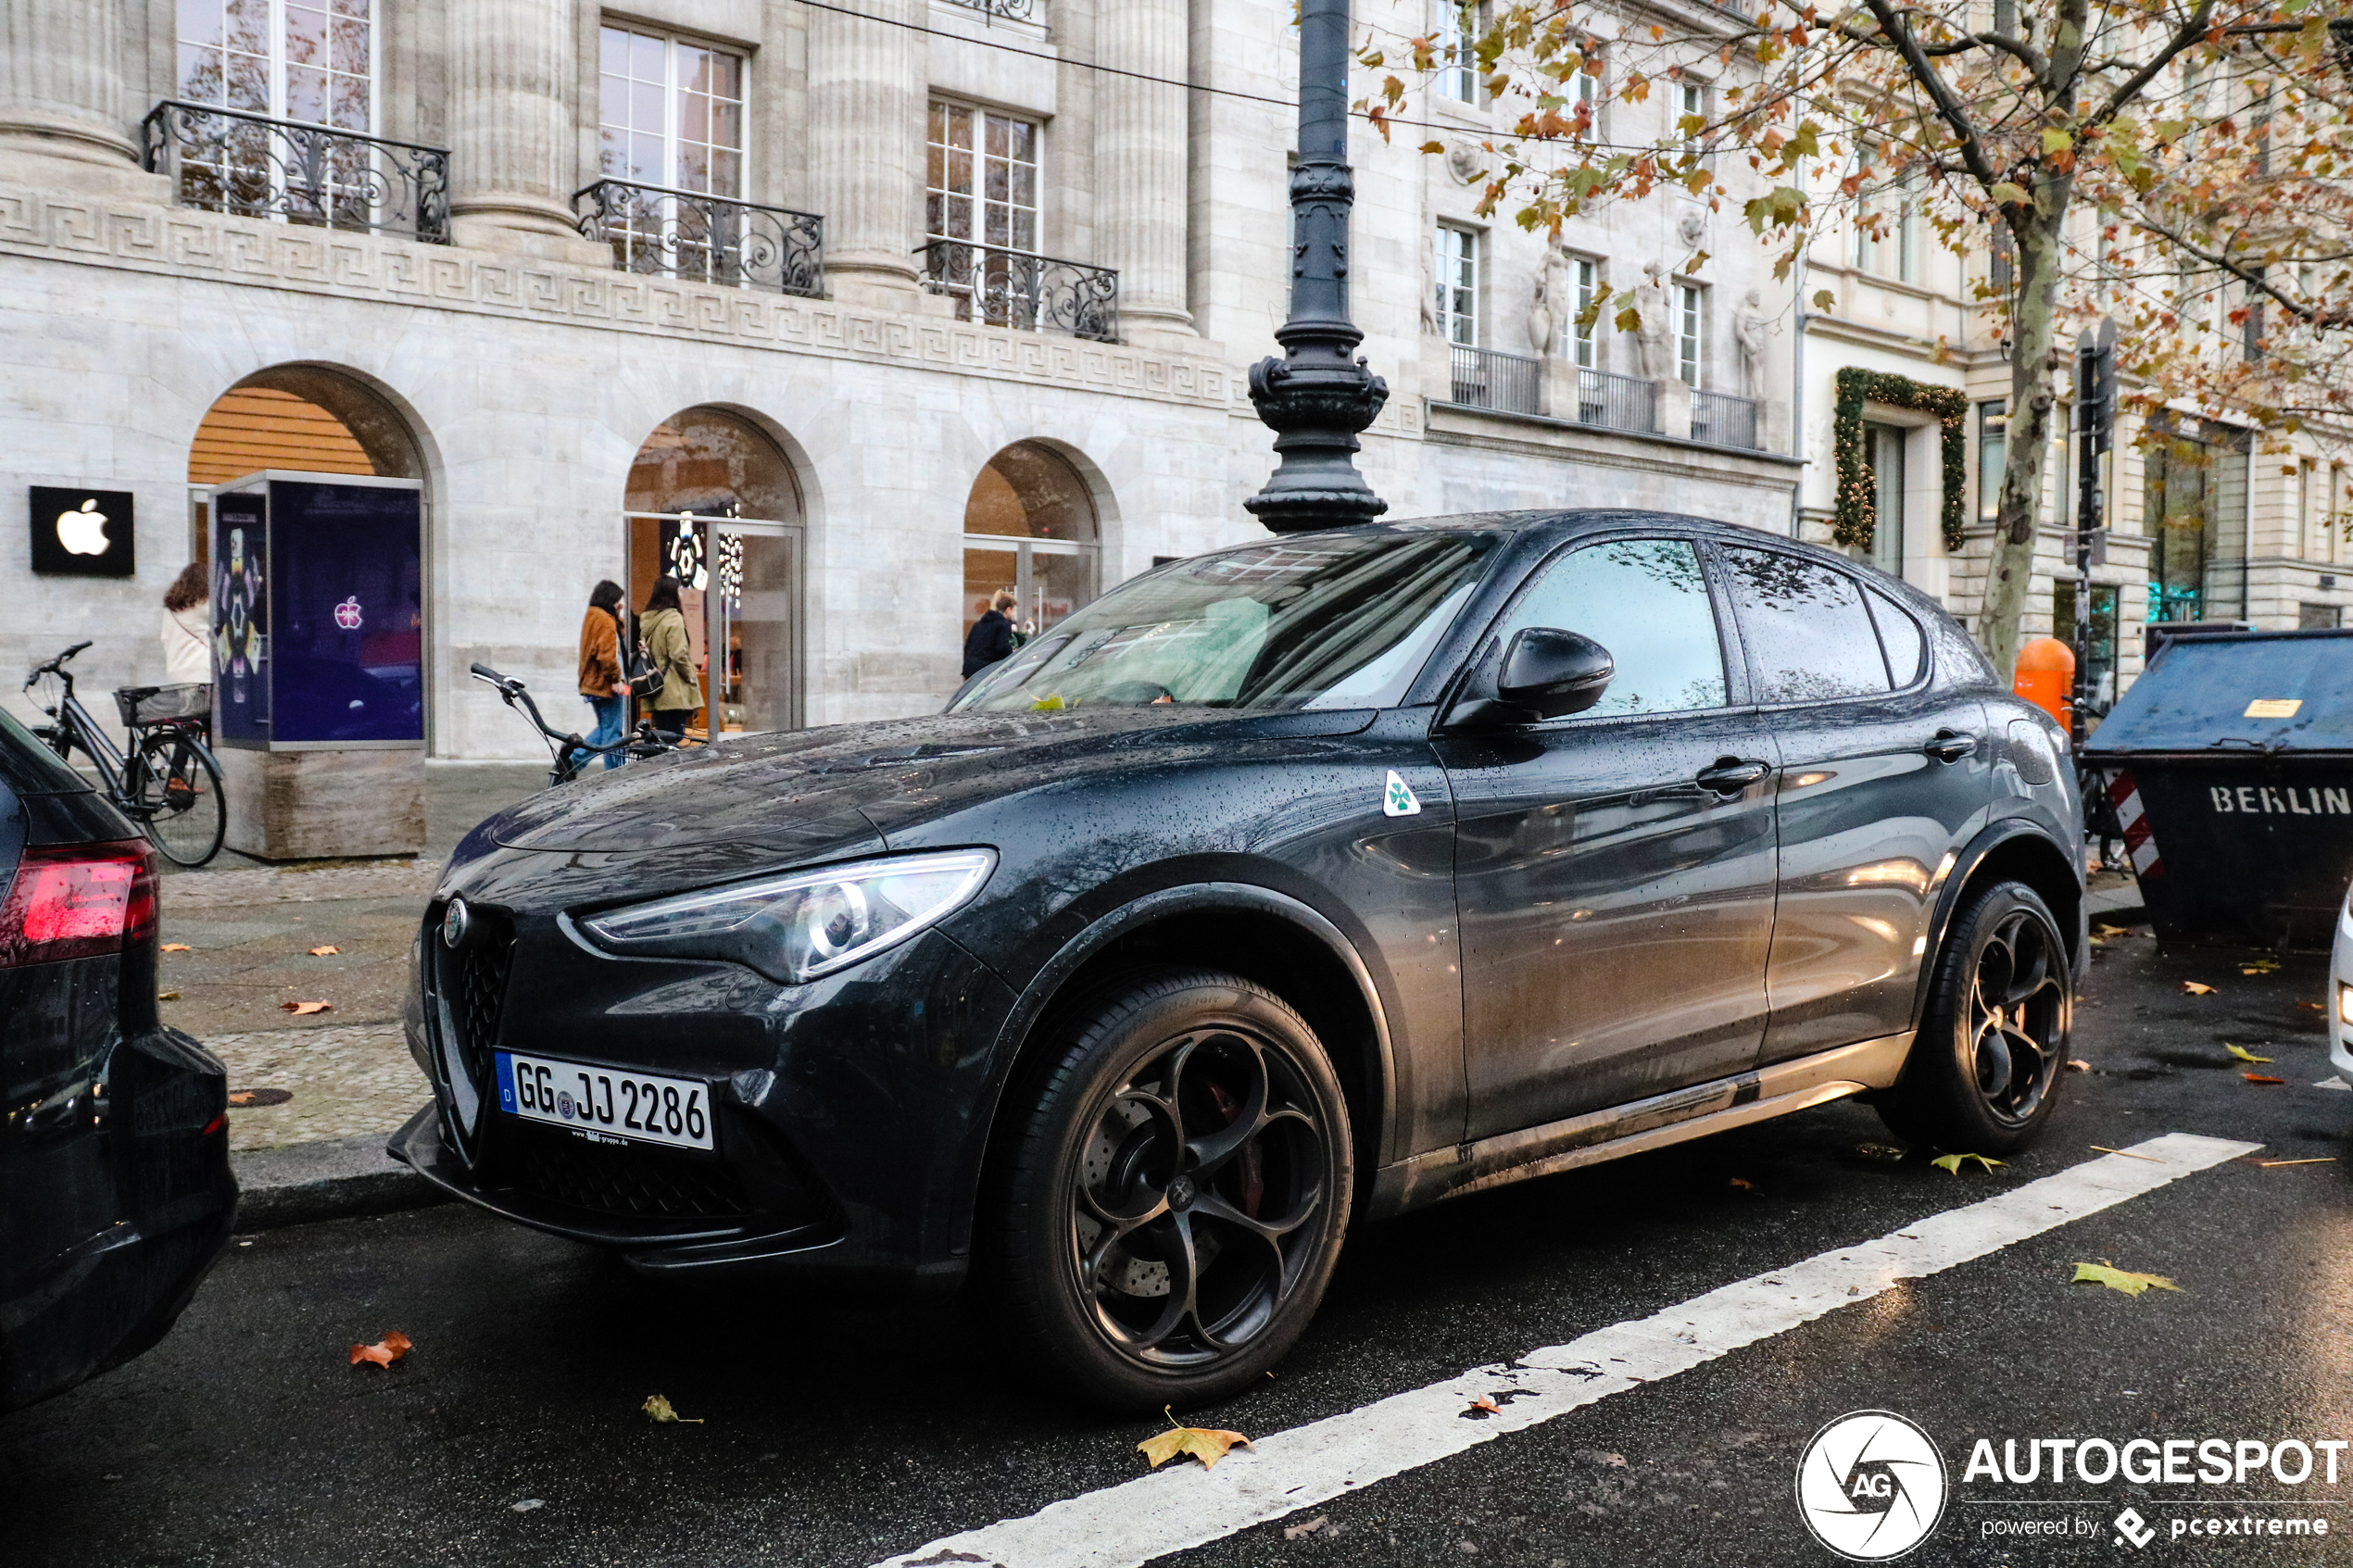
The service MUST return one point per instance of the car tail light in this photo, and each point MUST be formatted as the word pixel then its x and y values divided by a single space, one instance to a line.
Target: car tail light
pixel 78 901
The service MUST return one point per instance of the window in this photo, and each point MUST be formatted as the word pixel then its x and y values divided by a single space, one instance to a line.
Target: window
pixel 1884 451
pixel 1900 637
pixel 1029 527
pixel 311 60
pixel 671 113
pixel 1887 227
pixel 1687 341
pixel 1458 286
pixel 1457 31
pixel 980 185
pixel 1691 115
pixel 1809 637
pixel 2319 618
pixel 1584 278
pixel 1588 87
pixel 1646 601
pixel 2099 668
pixel 2309 543
pixel 1993 457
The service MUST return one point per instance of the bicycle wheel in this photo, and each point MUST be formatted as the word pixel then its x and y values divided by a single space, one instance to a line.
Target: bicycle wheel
pixel 175 787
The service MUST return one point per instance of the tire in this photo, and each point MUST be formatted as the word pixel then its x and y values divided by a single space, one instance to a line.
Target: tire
pixel 175 786
pixel 1985 1068
pixel 1124 1178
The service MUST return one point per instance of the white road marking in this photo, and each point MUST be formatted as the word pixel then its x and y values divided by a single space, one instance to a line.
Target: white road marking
pixel 1183 1506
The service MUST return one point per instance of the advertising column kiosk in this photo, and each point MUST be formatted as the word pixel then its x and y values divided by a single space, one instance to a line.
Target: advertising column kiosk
pixel 318 664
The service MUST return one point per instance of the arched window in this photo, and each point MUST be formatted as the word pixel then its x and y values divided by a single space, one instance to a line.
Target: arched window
pixel 1030 527
pixel 711 501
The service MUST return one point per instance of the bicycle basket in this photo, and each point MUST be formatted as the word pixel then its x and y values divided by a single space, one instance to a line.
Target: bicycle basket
pixel 153 705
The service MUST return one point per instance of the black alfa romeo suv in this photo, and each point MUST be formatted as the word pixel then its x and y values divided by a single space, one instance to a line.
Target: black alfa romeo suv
pixel 1281 887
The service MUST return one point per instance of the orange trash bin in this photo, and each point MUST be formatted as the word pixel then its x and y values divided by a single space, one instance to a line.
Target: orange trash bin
pixel 2047 676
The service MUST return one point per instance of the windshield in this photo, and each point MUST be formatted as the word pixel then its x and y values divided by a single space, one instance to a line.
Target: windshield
pixel 1338 621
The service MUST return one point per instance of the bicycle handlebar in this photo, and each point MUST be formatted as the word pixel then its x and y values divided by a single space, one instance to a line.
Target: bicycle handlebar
pixel 512 692
pixel 55 666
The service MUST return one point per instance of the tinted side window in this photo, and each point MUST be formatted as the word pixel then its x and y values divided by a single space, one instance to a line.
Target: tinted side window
pixel 1808 634
pixel 1901 636
pixel 1646 601
pixel 30 767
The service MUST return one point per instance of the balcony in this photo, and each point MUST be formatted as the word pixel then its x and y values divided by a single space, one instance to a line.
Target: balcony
pixel 1019 288
pixel 291 171
pixel 1008 10
pixel 1488 378
pixel 703 238
pixel 1721 420
pixel 1616 402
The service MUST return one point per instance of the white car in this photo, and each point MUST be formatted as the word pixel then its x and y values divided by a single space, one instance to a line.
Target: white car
pixel 2340 992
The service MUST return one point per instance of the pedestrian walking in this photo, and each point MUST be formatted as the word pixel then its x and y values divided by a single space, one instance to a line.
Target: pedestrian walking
pixel 991 638
pixel 672 655
pixel 602 681
pixel 187 628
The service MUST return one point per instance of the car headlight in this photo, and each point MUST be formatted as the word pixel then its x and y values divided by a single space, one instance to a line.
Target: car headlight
pixel 809 923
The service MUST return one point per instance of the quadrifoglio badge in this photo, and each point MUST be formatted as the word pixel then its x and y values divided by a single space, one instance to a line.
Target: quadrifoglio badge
pixel 1873 1484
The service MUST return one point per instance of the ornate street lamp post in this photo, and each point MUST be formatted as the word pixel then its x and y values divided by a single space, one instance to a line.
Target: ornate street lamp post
pixel 1317 397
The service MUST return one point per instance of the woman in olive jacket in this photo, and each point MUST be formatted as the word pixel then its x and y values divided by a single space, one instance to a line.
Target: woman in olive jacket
pixel 668 650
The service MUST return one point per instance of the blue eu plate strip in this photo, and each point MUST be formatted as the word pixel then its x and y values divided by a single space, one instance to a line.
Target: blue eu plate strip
pixel 506 1083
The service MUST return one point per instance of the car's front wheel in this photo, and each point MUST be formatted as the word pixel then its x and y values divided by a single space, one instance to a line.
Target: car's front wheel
pixel 1984 1069
pixel 1175 1199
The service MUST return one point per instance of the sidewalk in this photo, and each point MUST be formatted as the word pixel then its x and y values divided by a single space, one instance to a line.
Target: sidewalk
pixel 249 930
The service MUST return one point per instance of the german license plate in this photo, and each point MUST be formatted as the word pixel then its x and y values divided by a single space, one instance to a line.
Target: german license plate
pixel 601 1100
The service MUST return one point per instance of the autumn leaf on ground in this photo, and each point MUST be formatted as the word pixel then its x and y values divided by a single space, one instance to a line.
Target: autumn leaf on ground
pixel 384 1352
pixel 1484 1406
pixel 2259 966
pixel 2261 1078
pixel 324 952
pixel 1292 1532
pixel 2111 931
pixel 2077 1064
pixel 1743 1184
pixel 2195 989
pixel 2125 1280
pixel 1953 1163
pixel 1205 1444
pixel 303 1009
pixel 658 1409
pixel 2243 1055
pixel 255 1097
pixel 167 995
pixel 2311 1006
pixel 175 947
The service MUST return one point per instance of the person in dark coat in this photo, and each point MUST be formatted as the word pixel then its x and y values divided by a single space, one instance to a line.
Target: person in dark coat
pixel 991 638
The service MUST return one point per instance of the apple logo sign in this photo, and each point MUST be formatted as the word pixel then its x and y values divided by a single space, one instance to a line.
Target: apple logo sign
pixel 82 532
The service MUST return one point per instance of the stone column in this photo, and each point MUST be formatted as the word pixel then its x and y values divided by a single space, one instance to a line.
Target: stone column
pixel 866 116
pixel 513 135
pixel 62 88
pixel 1139 161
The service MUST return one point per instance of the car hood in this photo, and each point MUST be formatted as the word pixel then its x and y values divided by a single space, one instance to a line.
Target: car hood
pixel 813 794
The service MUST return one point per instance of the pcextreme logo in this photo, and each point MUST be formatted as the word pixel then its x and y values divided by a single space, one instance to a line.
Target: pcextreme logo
pixel 1870 1486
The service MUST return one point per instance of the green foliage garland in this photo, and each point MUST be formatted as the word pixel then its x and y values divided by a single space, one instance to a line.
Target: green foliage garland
pixel 1855 521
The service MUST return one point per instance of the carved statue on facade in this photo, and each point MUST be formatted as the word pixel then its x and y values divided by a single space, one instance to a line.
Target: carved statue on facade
pixel 1650 339
pixel 1544 316
pixel 1749 330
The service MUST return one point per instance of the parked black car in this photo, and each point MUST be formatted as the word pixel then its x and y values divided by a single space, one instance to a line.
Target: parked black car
pixel 1314 880
pixel 115 1191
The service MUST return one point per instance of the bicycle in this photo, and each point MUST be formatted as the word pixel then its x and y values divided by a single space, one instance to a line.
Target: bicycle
pixel 168 782
pixel 568 752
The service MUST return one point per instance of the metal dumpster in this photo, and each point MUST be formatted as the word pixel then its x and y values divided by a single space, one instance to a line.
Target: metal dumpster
pixel 2230 765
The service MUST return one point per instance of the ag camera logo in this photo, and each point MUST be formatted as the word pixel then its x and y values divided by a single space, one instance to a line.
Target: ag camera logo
pixel 1870 1486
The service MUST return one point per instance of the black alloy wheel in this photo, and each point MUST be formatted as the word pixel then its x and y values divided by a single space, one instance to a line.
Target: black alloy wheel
pixel 1174 1204
pixel 1984 1070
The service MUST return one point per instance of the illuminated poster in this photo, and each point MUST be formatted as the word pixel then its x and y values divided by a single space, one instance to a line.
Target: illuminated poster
pixel 346 649
pixel 240 620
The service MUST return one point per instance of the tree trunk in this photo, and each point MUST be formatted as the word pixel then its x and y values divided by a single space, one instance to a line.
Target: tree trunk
pixel 2035 354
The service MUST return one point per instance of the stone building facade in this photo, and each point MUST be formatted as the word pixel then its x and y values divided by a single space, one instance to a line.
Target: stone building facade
pixel 554 263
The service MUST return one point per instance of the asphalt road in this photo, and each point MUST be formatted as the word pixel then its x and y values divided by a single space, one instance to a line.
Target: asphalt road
pixel 841 1436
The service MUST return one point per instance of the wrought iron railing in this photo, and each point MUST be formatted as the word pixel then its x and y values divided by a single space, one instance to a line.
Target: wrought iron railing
pixel 707 239
pixel 1011 10
pixel 228 160
pixel 1722 419
pixel 1616 402
pixel 1019 288
pixel 1488 378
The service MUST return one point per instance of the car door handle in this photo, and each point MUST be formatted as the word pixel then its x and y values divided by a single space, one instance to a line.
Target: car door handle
pixel 1731 775
pixel 1950 745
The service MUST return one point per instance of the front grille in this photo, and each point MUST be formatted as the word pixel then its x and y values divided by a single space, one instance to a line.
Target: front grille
pixel 473 984
pixel 622 1180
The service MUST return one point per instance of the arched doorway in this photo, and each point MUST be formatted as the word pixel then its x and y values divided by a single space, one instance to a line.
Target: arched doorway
pixel 296 417
pixel 1030 526
pixel 711 501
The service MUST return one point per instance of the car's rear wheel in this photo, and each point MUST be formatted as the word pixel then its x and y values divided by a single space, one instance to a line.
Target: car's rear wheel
pixel 1176 1197
pixel 1985 1068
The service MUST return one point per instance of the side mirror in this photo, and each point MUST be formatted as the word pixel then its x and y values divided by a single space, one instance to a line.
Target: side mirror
pixel 1552 673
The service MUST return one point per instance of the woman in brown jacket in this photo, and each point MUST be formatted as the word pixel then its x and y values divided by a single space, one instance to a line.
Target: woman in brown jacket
pixel 602 681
